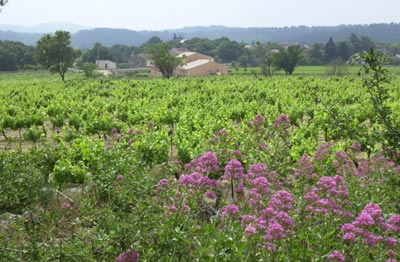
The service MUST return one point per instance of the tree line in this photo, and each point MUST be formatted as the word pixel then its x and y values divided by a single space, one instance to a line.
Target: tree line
pixel 269 56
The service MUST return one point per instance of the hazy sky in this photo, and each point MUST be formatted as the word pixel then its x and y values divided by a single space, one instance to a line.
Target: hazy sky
pixel 170 14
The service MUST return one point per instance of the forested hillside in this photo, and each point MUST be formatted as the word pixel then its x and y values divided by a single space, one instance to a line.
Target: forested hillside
pixel 386 33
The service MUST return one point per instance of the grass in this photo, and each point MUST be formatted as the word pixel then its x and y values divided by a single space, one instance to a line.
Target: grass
pixel 308 70
pixel 299 71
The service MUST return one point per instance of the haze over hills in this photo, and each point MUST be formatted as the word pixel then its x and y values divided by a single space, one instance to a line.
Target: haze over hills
pixel 86 38
pixel 44 28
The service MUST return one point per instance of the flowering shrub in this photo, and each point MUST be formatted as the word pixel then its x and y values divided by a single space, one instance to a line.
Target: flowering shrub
pixel 268 218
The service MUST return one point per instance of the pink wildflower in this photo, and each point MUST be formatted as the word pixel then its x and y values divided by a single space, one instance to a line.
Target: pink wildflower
pixel 274 232
pixel 207 163
pixel 305 168
pixel 282 121
pixel 128 256
pixel 66 205
pixel 229 210
pixel 257 170
pixel 163 184
pixel 250 231
pixel 233 170
pixel 336 256
pixel 281 201
pixel 392 253
pixel 391 241
pixel 210 195
pixel 364 220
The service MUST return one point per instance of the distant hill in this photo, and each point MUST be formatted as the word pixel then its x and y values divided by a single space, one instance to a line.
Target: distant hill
pixel 108 37
pixel 385 33
pixel 43 28
pixel 26 38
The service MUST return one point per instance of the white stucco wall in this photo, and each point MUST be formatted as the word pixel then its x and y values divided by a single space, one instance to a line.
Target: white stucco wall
pixel 105 65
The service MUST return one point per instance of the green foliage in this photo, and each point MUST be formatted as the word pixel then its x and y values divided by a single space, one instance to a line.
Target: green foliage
pixel 8 60
pixel 338 68
pixel 154 40
pixel 66 172
pixel 55 53
pixel 97 52
pixel 88 69
pixel 24 55
pixel 229 51
pixel 361 43
pixel 163 60
pixel 375 79
pixel 288 59
pixel 330 50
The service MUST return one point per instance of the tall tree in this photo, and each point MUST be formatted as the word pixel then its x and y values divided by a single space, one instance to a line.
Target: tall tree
pixel 343 51
pixel 8 60
pixel 330 50
pixel 98 51
pixel 230 51
pixel 154 40
pixel 363 43
pixel 316 54
pixel 288 59
pixel 25 54
pixel 163 60
pixel 55 52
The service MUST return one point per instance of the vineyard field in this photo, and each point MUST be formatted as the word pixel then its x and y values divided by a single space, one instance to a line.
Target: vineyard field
pixel 236 168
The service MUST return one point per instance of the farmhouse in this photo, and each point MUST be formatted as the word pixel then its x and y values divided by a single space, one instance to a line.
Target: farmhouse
pixel 188 57
pixel 105 65
pixel 194 64
pixel 202 67
pixel 141 60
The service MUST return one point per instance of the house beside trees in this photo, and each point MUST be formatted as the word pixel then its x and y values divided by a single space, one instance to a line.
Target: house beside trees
pixel 161 60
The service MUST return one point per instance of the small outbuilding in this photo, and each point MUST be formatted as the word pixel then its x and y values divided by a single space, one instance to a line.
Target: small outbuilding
pixel 105 65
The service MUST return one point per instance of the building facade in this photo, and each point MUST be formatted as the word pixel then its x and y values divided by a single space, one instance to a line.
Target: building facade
pixel 105 65
pixel 141 60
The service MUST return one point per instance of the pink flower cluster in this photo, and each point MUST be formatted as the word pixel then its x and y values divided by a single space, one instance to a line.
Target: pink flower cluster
pixel 233 171
pixel 257 122
pixel 322 153
pixel 282 121
pixel 368 223
pixel 205 164
pixel 196 181
pixel 163 185
pixel 257 170
pixel 273 221
pixel 229 210
pixel 128 256
pixel 343 164
pixel 336 256
pixel 305 168
pixel 330 195
pixel 221 137
pixel 67 206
